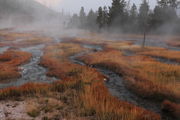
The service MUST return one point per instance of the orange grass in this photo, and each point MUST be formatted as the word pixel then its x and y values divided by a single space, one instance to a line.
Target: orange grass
pixel 26 39
pixel 9 62
pixel 148 77
pixel 174 41
pixel 95 97
pixel 34 41
pixel 171 108
pixel 91 41
pixel 24 90
pixel 167 54
pixel 127 45
pixel 6 35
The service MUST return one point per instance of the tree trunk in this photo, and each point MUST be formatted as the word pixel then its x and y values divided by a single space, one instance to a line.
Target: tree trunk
pixel 144 39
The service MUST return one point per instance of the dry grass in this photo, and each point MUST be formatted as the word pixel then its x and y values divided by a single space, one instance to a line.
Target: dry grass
pixel 94 97
pixel 33 41
pixel 127 45
pixel 120 45
pixel 148 77
pixel 9 62
pixel 33 109
pixel 17 39
pixel 91 40
pixel 88 93
pixel 147 51
pixel 171 108
pixel 10 36
pixel 82 88
pixel 174 41
pixel 28 89
pixel 167 54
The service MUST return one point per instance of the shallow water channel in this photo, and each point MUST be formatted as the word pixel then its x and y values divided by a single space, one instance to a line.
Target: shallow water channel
pixel 3 49
pixel 166 61
pixel 117 88
pixel 31 71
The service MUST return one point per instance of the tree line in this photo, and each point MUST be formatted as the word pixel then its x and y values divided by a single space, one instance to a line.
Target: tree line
pixel 121 17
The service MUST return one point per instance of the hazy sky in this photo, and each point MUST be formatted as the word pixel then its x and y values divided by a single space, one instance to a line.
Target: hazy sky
pixel 73 6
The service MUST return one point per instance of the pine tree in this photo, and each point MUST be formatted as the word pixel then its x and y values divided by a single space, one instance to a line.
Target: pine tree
pixel 157 18
pixel 91 20
pixel 168 10
pixel 132 20
pixel 169 3
pixel 100 18
pixel 133 12
pixel 117 12
pixel 105 16
pixel 143 19
pixel 74 21
pixel 82 17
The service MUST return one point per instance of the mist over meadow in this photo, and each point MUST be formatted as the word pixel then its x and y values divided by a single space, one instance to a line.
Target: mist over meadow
pixel 120 16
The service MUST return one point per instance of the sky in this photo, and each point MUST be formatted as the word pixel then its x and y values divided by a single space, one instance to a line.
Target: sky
pixel 73 6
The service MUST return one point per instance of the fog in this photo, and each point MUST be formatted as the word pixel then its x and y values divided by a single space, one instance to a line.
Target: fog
pixel 73 6
pixel 56 17
pixel 21 13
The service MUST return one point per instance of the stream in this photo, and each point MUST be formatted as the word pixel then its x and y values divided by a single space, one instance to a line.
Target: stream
pixel 166 61
pixel 117 88
pixel 156 43
pixel 32 71
pixel 3 49
pixel 160 59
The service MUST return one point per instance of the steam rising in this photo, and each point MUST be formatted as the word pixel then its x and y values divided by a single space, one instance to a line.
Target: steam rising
pixel 18 13
pixel 50 3
pixel 38 15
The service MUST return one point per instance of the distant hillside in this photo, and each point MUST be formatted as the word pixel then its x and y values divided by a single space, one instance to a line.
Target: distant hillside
pixel 26 10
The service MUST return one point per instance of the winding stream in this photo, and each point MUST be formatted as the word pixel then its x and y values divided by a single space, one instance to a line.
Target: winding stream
pixel 166 61
pixel 160 59
pixel 32 71
pixel 95 47
pixel 117 88
pixel 156 43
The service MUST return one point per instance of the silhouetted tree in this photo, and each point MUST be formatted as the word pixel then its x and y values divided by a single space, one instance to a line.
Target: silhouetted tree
pixel 168 10
pixel 120 16
pixel 170 3
pixel 91 20
pixel 143 19
pixel 74 21
pixel 105 16
pixel 164 14
pixel 157 18
pixel 133 14
pixel 100 18
pixel 82 17
pixel 117 13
